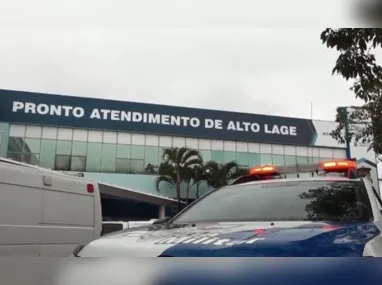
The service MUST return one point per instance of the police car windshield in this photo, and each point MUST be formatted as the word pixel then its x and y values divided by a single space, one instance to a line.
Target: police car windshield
pixel 317 200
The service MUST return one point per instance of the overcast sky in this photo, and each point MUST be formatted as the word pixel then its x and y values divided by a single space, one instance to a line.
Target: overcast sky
pixel 250 56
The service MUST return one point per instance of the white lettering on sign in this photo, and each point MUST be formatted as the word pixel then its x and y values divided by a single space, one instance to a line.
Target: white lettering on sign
pixel 44 109
pixel 213 124
pixel 136 117
pixel 280 130
pixel 243 126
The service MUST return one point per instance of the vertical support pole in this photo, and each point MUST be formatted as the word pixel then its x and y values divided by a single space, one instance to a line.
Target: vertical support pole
pixel 348 154
pixel 162 212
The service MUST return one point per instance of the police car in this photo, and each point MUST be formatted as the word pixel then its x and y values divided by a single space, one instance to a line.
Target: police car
pixel 331 213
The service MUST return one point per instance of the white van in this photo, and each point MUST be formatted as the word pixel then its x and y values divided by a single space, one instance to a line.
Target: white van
pixel 45 212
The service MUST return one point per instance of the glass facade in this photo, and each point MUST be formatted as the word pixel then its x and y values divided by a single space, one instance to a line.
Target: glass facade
pixel 115 152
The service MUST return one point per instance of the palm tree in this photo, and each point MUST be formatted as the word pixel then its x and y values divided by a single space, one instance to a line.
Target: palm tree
pixel 166 174
pixel 219 175
pixel 176 166
pixel 187 177
pixel 198 177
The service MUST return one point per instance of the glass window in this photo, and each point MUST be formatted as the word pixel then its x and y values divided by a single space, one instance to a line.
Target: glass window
pixel 17 131
pixel 15 144
pixel 266 159
pixel 283 201
pixel 123 151
pixel 122 165
pixel 229 156
pixel 316 159
pixel 62 162
pixel 48 153
pixel 310 159
pixel 93 157
pixel 31 158
pixel 138 152
pixel 32 145
pixel 242 158
pixel 79 148
pixel 78 163
pixel 254 159
pixel 137 165
pixel 290 160
pixel 18 156
pixel 217 155
pixel 151 159
pixel 161 150
pixel 64 147
pixel 302 160
pixel 111 227
pixel 206 154
pixel 109 154
pixel 278 159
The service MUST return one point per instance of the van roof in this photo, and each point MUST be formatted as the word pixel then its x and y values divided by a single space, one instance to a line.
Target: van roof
pixel 15 162
pixel 46 170
pixel 42 169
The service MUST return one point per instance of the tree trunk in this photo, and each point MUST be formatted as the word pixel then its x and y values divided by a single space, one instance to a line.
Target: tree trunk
pixel 178 190
pixel 197 191
pixel 188 192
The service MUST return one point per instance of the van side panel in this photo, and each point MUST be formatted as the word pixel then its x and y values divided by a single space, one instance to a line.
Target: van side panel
pixel 21 203
pixel 68 217
pixel 97 211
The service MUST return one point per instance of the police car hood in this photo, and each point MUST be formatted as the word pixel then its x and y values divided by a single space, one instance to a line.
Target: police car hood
pixel 297 239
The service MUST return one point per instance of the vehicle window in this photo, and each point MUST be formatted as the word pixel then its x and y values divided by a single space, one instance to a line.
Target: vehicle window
pixel 377 197
pixel 283 201
pixel 109 228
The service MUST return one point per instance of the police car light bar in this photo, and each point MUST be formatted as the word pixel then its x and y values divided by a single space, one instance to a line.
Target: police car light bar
pixel 338 166
pixel 263 170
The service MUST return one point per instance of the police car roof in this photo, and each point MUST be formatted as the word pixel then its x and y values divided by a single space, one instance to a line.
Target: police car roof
pixel 326 178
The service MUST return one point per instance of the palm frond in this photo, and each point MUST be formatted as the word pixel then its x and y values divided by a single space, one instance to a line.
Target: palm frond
pixel 198 175
pixel 192 162
pixel 192 154
pixel 230 167
pixel 181 152
pixel 167 169
pixel 186 174
pixel 163 178
pixel 212 165
pixel 169 154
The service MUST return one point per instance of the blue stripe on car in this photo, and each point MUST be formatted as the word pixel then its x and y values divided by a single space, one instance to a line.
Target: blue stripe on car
pixel 348 240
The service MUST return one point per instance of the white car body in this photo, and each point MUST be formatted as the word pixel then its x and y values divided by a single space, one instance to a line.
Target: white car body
pixel 218 239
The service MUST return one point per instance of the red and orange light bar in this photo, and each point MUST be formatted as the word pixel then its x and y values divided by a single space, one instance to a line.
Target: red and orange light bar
pixel 338 165
pixel 263 170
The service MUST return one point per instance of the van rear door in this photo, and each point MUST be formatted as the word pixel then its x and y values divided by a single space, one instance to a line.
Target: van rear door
pixel 69 217
pixel 21 204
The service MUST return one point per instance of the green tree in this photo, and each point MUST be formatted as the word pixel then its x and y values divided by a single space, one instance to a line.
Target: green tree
pixel 357 62
pixel 219 175
pixel 198 177
pixel 364 125
pixel 331 201
pixel 177 167
pixel 166 173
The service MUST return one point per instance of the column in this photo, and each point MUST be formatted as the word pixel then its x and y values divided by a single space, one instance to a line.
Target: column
pixel 162 211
